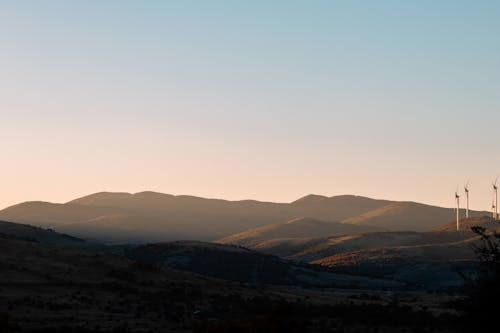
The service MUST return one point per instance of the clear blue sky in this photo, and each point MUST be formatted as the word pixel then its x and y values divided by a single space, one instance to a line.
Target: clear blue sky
pixel 269 100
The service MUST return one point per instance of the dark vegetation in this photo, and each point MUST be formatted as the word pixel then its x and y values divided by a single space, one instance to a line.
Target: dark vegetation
pixel 50 289
pixel 224 262
pixel 483 288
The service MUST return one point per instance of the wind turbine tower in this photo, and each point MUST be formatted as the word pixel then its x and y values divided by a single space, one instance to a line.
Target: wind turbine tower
pixel 457 198
pixel 466 188
pixel 495 200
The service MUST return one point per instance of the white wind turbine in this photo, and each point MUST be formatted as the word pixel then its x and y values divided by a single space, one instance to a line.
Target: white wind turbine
pixel 457 198
pixel 466 188
pixel 495 200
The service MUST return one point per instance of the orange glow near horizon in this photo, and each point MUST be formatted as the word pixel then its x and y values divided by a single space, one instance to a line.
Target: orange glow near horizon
pixel 249 101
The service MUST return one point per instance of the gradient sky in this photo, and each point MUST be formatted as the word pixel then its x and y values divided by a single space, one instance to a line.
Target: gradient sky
pixel 269 100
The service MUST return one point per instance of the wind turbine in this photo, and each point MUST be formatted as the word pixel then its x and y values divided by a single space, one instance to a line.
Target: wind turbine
pixel 493 208
pixel 495 200
pixel 466 188
pixel 457 198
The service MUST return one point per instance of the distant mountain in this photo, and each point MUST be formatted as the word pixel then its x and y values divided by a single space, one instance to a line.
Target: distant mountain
pixel 294 229
pixel 50 215
pixel 334 209
pixel 155 217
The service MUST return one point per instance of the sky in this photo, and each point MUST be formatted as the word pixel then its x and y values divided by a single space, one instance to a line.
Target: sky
pixel 268 100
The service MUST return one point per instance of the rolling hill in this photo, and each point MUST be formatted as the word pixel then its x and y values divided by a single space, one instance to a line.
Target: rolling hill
pixel 44 236
pixel 294 229
pixel 400 215
pixel 482 221
pixel 154 217
pixel 313 249
pixel 51 215
pixel 46 288
pixel 433 259
pixel 226 262
pixel 244 265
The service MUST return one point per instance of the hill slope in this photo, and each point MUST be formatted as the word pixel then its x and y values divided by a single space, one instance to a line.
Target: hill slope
pixel 294 229
pixel 150 216
pixel 225 262
pixel 50 289
pixel 400 215
pixel 243 265
pixel 482 221
pixel 51 215
pixel 44 236
pixel 432 259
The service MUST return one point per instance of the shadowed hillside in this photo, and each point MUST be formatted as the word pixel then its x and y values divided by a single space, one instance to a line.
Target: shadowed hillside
pixel 51 289
pixel 243 265
pixel 225 262
pixel 45 236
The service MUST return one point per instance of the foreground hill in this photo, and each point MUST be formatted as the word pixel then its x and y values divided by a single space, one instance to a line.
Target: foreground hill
pixel 51 289
pixel 243 265
pixel 61 289
pixel 225 262
pixel 153 217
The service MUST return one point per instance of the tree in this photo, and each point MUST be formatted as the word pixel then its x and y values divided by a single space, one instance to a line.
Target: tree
pixel 483 289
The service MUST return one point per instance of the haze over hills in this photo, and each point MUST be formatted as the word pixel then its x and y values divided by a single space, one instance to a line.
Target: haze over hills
pixel 369 259
pixel 47 214
pixel 226 262
pixel 38 234
pixel 151 216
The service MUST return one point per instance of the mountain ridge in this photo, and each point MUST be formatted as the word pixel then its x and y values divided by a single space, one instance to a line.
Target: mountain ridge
pixel 152 216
